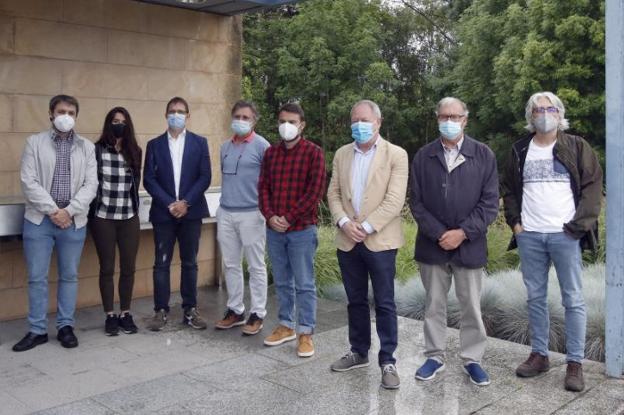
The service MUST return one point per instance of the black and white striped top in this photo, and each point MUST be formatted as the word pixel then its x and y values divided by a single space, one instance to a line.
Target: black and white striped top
pixel 115 200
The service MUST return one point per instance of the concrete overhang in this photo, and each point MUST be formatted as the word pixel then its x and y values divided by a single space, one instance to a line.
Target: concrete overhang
pixel 223 7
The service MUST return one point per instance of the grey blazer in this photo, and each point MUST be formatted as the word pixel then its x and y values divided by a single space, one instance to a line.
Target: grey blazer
pixel 37 171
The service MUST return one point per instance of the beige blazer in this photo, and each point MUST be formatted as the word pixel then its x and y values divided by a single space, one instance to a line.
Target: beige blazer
pixel 382 200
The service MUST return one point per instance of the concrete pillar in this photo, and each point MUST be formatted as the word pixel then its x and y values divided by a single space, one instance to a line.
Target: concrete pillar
pixel 614 307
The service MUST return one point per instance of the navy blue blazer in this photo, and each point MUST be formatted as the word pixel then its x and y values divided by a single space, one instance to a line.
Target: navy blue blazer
pixel 194 178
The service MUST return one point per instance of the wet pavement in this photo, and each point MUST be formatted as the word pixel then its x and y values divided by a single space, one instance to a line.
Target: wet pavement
pixel 183 371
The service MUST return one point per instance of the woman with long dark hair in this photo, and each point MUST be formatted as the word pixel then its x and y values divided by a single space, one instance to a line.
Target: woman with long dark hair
pixel 114 216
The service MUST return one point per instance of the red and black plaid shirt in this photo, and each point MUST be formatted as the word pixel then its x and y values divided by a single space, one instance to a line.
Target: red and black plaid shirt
pixel 292 182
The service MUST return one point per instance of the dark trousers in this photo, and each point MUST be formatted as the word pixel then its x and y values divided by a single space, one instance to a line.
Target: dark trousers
pixel 187 233
pixel 356 266
pixel 108 234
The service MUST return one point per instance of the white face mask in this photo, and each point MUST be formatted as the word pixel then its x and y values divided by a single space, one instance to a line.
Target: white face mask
pixel 64 123
pixel 288 131
pixel 546 123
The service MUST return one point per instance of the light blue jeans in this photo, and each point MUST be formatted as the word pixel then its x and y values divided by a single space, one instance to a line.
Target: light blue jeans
pixel 292 264
pixel 39 241
pixel 537 252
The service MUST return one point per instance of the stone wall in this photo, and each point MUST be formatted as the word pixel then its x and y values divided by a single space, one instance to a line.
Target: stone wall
pixel 109 53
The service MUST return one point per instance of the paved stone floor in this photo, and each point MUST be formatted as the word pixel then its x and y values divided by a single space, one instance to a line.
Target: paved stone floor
pixel 181 371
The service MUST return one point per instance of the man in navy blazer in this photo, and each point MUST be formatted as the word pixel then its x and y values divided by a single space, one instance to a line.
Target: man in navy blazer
pixel 176 175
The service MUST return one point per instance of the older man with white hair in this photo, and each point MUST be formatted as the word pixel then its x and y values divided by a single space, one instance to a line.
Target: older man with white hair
pixel 366 195
pixel 453 197
pixel 552 189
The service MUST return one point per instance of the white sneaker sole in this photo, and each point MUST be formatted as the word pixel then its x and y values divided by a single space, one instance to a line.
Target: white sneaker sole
pixel 476 383
pixel 350 367
pixel 390 387
pixel 306 354
pixel 433 375
pixel 280 341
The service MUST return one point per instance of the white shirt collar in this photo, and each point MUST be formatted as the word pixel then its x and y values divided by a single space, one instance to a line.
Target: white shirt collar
pixel 458 147
pixel 373 147
pixel 182 135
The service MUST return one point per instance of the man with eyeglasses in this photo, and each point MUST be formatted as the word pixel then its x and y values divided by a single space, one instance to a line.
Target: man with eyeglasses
pixel 552 190
pixel 176 175
pixel 240 224
pixel 453 197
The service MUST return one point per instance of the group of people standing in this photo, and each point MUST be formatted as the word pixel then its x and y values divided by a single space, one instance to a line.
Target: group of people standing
pixel 70 184
pixel 551 189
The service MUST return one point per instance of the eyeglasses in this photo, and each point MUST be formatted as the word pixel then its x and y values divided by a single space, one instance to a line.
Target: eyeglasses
pixel 177 112
pixel 452 117
pixel 542 110
pixel 230 171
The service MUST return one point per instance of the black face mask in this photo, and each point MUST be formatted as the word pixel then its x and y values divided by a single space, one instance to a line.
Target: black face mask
pixel 118 130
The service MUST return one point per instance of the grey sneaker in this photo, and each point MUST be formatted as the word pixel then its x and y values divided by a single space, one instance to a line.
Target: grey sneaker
pixel 390 377
pixel 193 319
pixel 158 321
pixel 349 361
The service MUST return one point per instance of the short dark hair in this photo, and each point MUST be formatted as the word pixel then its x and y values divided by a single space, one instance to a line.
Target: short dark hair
pixel 68 99
pixel 245 104
pixel 177 100
pixel 294 108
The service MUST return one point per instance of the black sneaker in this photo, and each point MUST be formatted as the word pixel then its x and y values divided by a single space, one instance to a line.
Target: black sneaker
pixel 126 323
pixel 111 326
pixel 193 319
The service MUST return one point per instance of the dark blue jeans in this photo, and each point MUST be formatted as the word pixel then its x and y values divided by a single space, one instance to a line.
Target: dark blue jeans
pixel 187 234
pixel 356 266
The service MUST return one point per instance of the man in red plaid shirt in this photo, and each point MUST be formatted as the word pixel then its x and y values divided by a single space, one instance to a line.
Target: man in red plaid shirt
pixel 291 184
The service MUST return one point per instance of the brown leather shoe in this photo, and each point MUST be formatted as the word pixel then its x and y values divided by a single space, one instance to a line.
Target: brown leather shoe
pixel 230 319
pixel 305 346
pixel 281 334
pixel 534 365
pixel 253 325
pixel 574 377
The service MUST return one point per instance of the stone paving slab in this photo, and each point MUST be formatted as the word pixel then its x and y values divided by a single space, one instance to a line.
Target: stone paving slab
pixel 182 371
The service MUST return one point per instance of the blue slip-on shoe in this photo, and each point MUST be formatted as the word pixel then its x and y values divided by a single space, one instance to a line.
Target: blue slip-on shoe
pixel 477 375
pixel 429 369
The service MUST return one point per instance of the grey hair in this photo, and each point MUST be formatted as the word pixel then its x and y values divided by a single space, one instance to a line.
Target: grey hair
pixel 564 124
pixel 449 100
pixel 372 105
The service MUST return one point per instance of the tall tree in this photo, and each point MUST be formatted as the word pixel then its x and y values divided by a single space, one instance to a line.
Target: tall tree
pixel 509 49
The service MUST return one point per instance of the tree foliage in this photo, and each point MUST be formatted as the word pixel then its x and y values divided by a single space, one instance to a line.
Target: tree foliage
pixel 407 54
pixel 512 48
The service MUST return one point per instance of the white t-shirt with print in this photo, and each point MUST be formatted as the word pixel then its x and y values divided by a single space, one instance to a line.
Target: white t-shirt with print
pixel 547 198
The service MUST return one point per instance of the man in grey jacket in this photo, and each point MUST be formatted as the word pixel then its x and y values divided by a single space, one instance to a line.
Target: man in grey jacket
pixel 59 180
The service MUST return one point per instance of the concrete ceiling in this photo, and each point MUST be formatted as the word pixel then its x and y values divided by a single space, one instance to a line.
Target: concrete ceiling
pixel 224 7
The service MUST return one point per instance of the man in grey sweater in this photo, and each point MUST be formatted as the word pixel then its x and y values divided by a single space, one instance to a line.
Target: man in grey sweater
pixel 59 180
pixel 240 225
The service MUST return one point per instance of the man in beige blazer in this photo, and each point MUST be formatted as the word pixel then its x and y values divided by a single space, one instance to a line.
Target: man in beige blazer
pixel 366 195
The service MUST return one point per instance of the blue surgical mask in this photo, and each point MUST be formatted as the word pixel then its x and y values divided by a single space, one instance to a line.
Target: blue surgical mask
pixel 241 127
pixel 176 121
pixel 362 131
pixel 450 129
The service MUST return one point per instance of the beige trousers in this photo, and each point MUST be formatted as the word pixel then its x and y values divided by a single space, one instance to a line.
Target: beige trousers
pixel 437 282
